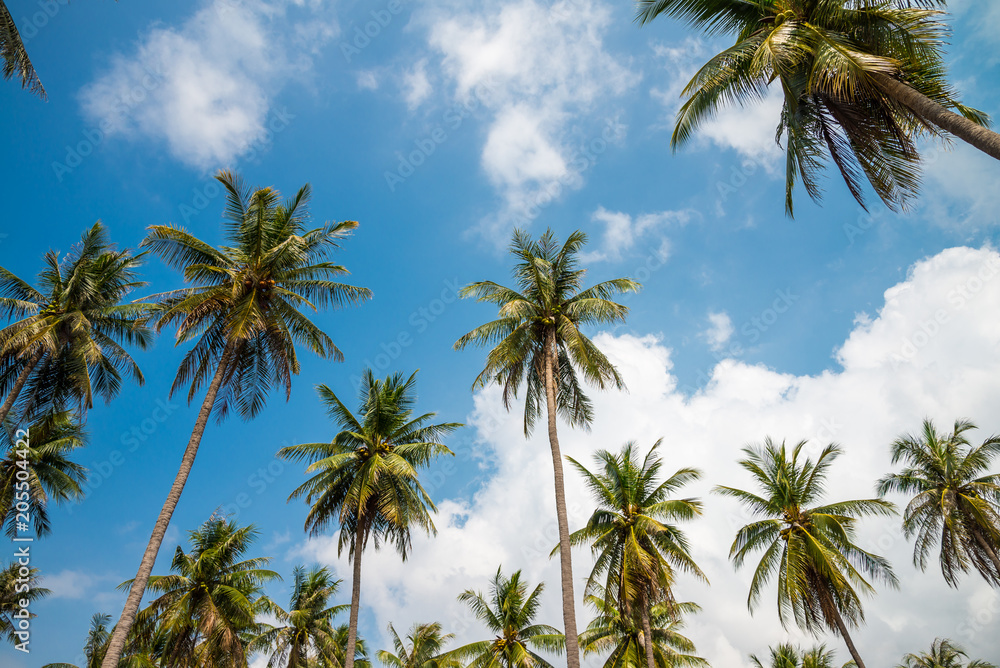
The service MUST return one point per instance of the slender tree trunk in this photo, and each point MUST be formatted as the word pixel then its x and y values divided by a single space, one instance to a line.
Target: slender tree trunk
pixel 19 384
pixel 989 550
pixel 117 643
pixel 352 628
pixel 985 140
pixel 842 628
pixel 647 633
pixel 565 556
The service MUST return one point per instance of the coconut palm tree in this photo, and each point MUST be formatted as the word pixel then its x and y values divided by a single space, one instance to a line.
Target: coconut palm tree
pixel 955 501
pixel 790 656
pixel 861 81
pixel 15 588
pixel 15 56
pixel 809 547
pixel 35 469
pixel 944 654
pixel 425 645
pixel 636 545
pixel 537 341
pixel 207 609
pixel 366 479
pixel 306 630
pixel 68 335
pixel 624 636
pixel 244 312
pixel 509 613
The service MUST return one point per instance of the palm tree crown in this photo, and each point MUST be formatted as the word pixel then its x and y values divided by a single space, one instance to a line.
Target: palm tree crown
pixel 51 476
pixel 67 340
pixel 508 613
pixel 861 81
pixel 790 656
pixel 955 501
pixel 809 547
pixel 426 643
pixel 943 654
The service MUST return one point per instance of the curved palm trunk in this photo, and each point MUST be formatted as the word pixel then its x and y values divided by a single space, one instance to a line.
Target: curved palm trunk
pixel 985 140
pixel 18 385
pixel 647 635
pixel 989 550
pixel 124 625
pixel 565 560
pixel 842 628
pixel 352 628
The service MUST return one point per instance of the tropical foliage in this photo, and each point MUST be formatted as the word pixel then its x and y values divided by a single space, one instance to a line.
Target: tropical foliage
pixel 790 656
pixel 955 501
pixel 422 649
pixel 15 588
pixel 943 654
pixel 15 57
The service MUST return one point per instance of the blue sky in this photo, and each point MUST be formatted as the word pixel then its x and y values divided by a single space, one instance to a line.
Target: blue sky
pixel 451 124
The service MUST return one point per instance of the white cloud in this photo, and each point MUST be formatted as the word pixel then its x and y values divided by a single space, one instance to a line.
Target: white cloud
pixel 930 351
pixel 206 88
pixel 367 80
pixel 416 85
pixel 720 330
pixel 75 584
pixel 622 232
pixel 546 78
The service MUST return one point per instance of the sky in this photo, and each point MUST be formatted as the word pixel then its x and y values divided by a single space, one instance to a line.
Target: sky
pixel 440 127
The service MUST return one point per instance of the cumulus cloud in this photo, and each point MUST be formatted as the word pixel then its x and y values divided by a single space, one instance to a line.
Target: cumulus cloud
pixel 931 351
pixel 207 87
pixel 622 231
pixel 416 85
pixel 545 76
pixel 720 330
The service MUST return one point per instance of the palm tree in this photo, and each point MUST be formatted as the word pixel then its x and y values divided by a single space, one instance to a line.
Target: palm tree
pixel 206 610
pixel 955 501
pixel 15 56
pixel 426 642
pixel 810 547
pixel 68 335
pixel 35 469
pixel 97 643
pixel 624 636
pixel 307 629
pixel 366 479
pixel 636 545
pixel 15 588
pixel 244 312
pixel 790 656
pixel 861 81
pixel 944 654
pixel 509 613
pixel 537 341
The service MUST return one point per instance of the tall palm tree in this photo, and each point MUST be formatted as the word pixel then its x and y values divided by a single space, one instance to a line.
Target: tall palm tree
pixel 537 341
pixel 426 644
pixel 632 535
pixel 306 629
pixel 15 56
pixel 790 656
pixel 366 479
pixel 207 608
pixel 509 613
pixel 13 592
pixel 944 654
pixel 625 638
pixel 35 469
pixel 68 335
pixel 244 312
pixel 861 80
pixel 956 502
pixel 810 547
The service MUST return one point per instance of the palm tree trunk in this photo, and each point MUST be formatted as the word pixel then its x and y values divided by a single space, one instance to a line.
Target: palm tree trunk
pixel 352 628
pixel 19 384
pixel 647 634
pixel 989 550
pixel 842 628
pixel 985 140
pixel 117 643
pixel 565 560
